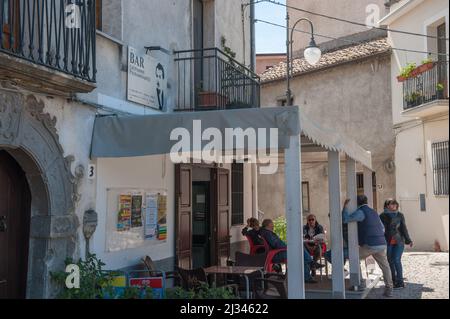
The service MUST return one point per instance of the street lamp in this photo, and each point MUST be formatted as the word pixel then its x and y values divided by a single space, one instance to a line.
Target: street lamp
pixel 312 53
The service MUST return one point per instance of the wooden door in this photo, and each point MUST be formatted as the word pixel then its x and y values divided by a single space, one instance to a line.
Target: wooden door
pixel 183 215
pixel 14 228
pixel 221 215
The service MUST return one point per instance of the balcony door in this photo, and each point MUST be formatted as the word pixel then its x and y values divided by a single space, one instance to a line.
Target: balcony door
pixel 442 58
pixel 10 22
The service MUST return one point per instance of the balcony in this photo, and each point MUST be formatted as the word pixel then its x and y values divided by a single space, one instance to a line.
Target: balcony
pixel 426 93
pixel 209 79
pixel 48 45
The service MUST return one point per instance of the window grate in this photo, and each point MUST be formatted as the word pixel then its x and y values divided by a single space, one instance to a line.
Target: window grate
pixel 440 168
pixel 237 194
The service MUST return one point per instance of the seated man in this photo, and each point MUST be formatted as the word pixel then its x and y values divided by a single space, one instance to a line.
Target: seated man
pixel 275 242
pixel 310 231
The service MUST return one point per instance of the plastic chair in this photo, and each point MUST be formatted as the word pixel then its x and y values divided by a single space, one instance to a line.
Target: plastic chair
pixel 255 249
pixel 271 253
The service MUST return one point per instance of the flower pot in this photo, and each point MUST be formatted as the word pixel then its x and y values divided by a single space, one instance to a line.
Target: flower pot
pixel 401 78
pixel 422 68
pixel 211 100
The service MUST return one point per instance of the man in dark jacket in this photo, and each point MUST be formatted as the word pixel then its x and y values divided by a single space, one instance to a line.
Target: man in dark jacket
pixel 371 238
pixel 275 242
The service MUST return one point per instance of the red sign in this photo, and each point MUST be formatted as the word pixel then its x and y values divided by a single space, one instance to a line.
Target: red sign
pixel 147 282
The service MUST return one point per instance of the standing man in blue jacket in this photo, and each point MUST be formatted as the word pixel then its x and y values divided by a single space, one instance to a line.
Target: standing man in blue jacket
pixel 372 241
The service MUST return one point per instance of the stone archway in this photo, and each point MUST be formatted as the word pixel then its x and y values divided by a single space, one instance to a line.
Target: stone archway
pixel 29 135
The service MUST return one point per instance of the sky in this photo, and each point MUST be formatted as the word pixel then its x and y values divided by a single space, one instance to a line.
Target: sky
pixel 270 39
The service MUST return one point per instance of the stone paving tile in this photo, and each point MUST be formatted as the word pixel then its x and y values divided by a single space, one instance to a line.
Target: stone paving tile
pixel 426 277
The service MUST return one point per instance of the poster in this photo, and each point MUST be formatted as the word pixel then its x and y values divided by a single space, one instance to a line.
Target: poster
pixel 147 80
pixel 151 215
pixel 162 217
pixel 136 211
pixel 124 215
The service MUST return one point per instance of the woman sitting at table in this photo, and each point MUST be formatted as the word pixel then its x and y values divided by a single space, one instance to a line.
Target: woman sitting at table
pixel 252 230
pixel 310 231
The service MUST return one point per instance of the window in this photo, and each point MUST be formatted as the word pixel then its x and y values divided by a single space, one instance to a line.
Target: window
pixel 9 22
pixel 98 15
pixel 237 194
pixel 305 198
pixel 440 168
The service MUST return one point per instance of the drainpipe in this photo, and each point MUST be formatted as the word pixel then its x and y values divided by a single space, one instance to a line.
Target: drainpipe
pixel 252 37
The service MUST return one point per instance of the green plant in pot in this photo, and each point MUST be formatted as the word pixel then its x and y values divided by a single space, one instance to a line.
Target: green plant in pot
pixel 440 91
pixel 406 72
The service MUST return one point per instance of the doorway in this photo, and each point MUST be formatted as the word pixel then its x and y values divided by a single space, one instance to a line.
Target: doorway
pixel 202 216
pixel 15 211
pixel 201 225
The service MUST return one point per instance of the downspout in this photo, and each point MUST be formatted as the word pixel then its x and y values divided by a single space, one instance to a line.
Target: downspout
pixel 252 37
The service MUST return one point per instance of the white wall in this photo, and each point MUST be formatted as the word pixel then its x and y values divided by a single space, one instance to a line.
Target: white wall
pixel 415 136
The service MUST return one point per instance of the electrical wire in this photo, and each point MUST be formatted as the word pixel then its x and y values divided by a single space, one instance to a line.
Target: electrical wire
pixel 352 22
pixel 350 41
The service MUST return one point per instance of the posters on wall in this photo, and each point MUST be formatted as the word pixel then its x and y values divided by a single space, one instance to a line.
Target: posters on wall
pixel 135 217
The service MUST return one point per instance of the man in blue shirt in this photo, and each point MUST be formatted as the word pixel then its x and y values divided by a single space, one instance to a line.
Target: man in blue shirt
pixel 275 242
pixel 372 241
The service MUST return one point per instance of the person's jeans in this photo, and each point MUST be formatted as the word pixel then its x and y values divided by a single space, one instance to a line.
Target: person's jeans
pixel 394 255
pixel 328 256
pixel 282 256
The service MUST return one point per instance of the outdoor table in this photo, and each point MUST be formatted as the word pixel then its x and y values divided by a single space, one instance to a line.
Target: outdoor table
pixel 235 270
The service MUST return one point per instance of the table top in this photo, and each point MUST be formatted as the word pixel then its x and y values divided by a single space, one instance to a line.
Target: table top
pixel 235 270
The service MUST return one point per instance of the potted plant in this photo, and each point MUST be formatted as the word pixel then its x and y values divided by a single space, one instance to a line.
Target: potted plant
pixel 426 65
pixel 412 70
pixel 406 72
pixel 440 91
pixel 208 100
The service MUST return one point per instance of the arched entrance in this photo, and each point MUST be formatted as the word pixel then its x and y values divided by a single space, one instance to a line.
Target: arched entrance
pixel 15 212
pixel 28 135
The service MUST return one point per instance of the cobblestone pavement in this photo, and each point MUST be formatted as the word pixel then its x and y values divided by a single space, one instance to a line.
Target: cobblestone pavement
pixel 426 277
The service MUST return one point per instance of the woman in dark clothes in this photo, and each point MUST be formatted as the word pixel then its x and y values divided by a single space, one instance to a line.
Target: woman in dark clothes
pixel 397 236
pixel 252 231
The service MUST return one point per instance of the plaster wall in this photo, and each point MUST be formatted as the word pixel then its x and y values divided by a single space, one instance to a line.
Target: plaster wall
pixel 361 11
pixel 352 99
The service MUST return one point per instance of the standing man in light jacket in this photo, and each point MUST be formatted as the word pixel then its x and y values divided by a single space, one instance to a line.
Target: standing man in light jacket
pixel 371 238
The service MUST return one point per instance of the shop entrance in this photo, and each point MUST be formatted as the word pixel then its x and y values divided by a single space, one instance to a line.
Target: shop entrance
pixel 15 211
pixel 202 216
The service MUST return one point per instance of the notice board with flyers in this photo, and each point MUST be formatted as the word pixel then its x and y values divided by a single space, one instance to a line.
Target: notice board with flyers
pixel 135 218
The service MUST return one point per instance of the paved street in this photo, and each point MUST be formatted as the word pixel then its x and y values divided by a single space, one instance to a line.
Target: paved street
pixel 426 277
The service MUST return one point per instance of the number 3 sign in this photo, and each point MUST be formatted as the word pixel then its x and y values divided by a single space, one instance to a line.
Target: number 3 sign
pixel 91 171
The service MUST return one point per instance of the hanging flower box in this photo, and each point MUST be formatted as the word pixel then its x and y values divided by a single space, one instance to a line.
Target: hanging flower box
pixel 411 71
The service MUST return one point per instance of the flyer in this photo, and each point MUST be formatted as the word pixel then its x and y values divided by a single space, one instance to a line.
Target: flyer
pixel 136 211
pixel 124 215
pixel 151 216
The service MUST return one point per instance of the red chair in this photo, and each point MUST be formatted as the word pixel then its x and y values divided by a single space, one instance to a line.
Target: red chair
pixel 255 249
pixel 271 253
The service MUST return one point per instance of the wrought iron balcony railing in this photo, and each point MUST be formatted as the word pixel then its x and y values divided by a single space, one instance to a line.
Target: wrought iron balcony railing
pixel 426 87
pixel 209 79
pixel 58 34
